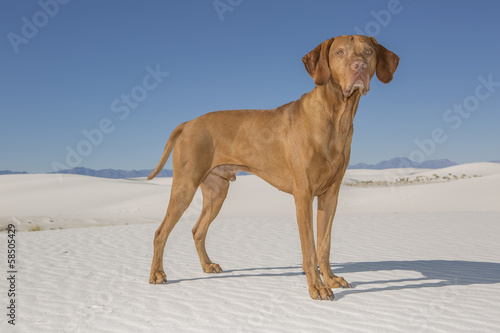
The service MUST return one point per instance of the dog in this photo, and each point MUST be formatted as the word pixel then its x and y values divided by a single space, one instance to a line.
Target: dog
pixel 302 148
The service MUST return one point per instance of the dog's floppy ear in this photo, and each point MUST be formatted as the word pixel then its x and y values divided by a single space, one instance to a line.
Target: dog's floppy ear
pixel 316 63
pixel 387 62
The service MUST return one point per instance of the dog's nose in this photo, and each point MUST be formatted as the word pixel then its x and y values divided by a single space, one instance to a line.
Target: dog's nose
pixel 359 66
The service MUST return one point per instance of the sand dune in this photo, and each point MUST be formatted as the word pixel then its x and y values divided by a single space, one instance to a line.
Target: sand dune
pixel 421 257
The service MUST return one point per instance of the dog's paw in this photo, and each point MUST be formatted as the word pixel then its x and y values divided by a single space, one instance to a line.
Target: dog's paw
pixel 158 278
pixel 337 282
pixel 212 268
pixel 321 292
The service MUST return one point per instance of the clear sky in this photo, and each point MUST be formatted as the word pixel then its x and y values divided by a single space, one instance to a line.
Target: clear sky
pixel 101 84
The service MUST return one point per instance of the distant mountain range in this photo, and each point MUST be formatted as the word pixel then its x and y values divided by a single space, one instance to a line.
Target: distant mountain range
pixel 8 172
pixel 113 173
pixel 105 173
pixel 398 162
pixel 403 162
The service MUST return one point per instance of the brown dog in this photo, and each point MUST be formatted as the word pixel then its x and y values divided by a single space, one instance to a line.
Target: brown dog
pixel 302 148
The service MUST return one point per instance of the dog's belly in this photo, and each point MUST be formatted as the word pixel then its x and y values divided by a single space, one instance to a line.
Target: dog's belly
pixel 229 171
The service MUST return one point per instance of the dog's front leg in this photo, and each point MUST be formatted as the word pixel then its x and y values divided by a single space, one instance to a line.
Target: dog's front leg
pixel 327 205
pixel 317 289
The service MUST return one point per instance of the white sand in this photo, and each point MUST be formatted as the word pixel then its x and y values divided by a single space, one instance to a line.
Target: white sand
pixel 421 258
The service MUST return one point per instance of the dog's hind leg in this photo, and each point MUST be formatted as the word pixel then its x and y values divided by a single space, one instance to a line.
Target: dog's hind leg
pixel 180 198
pixel 214 189
pixel 190 167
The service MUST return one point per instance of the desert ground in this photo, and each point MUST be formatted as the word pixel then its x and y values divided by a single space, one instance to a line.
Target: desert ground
pixel 421 249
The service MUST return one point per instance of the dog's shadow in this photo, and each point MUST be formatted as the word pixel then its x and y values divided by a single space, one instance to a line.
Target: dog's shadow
pixel 433 274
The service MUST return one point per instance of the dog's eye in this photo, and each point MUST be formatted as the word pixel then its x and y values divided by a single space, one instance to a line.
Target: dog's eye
pixel 340 52
pixel 369 51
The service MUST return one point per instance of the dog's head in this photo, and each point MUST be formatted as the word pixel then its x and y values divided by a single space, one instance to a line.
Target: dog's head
pixel 350 62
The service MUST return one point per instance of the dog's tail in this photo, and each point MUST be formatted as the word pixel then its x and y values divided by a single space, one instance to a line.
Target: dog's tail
pixel 168 149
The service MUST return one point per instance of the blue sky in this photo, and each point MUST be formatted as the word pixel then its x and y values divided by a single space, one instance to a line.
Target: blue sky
pixel 101 84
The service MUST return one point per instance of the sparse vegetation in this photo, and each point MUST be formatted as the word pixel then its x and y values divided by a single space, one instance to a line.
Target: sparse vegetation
pixel 409 181
pixel 35 228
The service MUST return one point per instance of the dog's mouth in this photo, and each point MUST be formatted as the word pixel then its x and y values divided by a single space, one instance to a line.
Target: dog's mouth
pixel 359 83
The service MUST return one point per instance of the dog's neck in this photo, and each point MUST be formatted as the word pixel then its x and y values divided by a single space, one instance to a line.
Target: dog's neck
pixel 335 111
